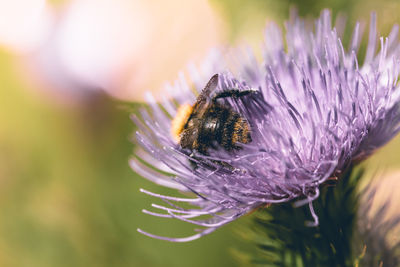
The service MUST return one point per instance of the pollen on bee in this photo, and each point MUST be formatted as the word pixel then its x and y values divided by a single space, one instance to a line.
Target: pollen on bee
pixel 241 132
pixel 179 121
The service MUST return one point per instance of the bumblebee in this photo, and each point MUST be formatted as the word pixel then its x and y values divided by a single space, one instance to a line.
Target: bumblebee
pixel 209 124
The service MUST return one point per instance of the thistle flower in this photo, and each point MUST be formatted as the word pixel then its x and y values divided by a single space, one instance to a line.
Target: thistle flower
pixel 315 111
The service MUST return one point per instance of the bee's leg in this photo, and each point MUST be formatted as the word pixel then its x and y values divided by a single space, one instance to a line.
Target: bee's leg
pixel 195 160
pixel 233 93
pixel 212 164
pixel 193 163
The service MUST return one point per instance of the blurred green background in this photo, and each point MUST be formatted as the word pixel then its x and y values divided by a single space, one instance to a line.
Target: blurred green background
pixel 67 194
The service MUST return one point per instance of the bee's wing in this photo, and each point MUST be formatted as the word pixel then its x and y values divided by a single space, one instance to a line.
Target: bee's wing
pixel 205 96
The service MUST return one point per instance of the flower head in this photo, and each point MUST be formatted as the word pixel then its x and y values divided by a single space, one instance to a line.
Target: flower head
pixel 315 110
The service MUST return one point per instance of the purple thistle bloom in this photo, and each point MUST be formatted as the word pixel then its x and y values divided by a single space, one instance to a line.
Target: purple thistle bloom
pixel 315 111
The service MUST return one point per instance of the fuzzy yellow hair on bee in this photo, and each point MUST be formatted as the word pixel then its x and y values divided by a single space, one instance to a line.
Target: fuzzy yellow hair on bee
pixel 180 120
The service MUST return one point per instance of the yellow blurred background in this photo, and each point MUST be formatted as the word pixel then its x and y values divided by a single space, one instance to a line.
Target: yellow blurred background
pixel 71 72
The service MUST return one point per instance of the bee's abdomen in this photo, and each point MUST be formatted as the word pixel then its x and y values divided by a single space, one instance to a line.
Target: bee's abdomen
pixel 235 130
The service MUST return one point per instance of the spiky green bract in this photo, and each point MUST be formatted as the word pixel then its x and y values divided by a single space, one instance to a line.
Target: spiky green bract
pixel 284 239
